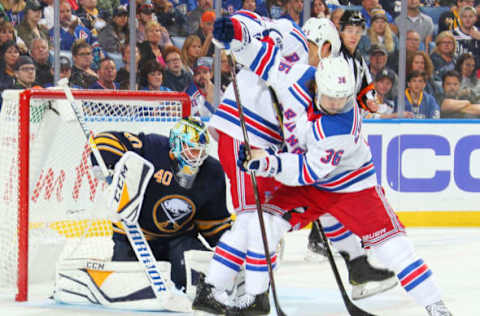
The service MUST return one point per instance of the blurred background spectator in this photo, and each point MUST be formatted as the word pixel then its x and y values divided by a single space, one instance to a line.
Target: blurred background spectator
pixel 194 16
pixel 293 10
pixel 83 75
pixel 106 73
pixel 450 20
pixel 176 77
pixel 41 60
pixel 467 34
pixel 9 55
pixel 419 22
pixel 24 73
pixel 419 103
pixel 71 28
pixel 319 9
pixel 91 16
pixel 156 40
pixel 378 33
pixel 443 56
pixel 29 28
pixel 115 34
pixel 151 76
pixel 123 74
pixel 384 81
pixel 420 62
pixel 7 33
pixel 191 50
pixel 453 104
pixel 170 17
pixel 144 17
pixel 205 33
pixel 469 84
pixel 14 10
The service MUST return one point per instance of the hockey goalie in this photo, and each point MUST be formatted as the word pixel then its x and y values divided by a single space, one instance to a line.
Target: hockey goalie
pixel 165 192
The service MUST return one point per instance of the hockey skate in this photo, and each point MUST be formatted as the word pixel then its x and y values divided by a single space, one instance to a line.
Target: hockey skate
pixel 247 305
pixel 367 280
pixel 208 300
pixel 438 309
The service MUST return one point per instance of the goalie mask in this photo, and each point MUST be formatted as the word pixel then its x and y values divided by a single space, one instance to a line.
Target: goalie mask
pixel 335 86
pixel 189 142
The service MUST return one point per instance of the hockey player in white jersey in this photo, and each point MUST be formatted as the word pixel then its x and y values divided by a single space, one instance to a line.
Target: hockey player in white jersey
pixel 332 170
pixel 264 131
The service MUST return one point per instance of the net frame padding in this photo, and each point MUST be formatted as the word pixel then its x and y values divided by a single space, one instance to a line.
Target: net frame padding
pixel 48 192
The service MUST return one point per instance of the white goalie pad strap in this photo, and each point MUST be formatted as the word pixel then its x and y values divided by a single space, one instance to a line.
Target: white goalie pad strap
pixel 199 261
pixel 121 285
pixel 130 180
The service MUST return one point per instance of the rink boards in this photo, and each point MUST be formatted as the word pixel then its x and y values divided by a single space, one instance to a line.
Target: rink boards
pixel 429 169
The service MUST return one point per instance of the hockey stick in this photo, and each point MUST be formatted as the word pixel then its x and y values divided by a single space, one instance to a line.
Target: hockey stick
pixel 255 186
pixel 353 309
pixel 133 231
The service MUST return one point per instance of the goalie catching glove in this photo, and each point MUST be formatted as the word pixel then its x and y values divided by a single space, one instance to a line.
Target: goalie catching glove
pixel 263 162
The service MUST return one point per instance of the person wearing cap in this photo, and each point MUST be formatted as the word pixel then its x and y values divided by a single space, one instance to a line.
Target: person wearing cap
pixel 368 6
pixel 151 77
pixel 65 72
pixel 40 55
pixel 144 17
pixel 194 17
pixel 378 58
pixel 419 22
pixel 24 73
pixel 380 33
pixel 91 16
pixel 171 18
pixel 71 29
pixel 201 90
pixel 384 81
pixel 29 28
pixel 205 32
pixel 419 103
pixel 114 34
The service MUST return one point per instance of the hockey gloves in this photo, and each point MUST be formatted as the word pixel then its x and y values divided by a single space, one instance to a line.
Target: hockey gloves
pixel 225 30
pixel 263 163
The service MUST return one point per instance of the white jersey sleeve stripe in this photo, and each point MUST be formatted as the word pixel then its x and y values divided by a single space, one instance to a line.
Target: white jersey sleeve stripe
pixel 299 36
pixel 317 130
pixel 348 178
pixel 307 176
pixel 254 122
pixel 249 15
pixel 264 60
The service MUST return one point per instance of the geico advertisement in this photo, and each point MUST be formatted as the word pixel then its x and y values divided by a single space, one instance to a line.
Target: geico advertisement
pixel 427 165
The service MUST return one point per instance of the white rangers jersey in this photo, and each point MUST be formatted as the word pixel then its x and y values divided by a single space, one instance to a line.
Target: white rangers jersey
pixel 328 151
pixel 262 125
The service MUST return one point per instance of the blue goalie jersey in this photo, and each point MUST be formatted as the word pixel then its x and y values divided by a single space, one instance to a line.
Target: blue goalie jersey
pixel 169 210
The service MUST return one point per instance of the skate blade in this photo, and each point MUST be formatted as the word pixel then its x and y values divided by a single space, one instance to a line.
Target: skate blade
pixel 372 288
pixel 202 313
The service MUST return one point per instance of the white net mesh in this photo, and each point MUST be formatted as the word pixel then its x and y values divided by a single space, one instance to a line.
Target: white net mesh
pixel 65 199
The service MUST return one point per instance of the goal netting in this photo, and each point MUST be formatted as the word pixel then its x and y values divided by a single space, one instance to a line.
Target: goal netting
pixel 51 204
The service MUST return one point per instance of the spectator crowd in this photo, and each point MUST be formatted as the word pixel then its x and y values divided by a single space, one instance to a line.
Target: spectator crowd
pixel 174 48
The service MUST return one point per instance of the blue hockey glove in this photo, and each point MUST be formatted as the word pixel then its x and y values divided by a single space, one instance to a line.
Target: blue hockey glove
pixel 226 30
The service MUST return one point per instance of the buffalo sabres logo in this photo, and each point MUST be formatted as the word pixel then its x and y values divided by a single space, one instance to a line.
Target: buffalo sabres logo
pixel 171 213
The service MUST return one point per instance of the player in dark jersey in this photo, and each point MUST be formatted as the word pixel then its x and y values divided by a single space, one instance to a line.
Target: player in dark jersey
pixel 184 198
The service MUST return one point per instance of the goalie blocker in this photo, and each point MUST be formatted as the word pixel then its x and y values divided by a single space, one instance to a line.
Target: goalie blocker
pixel 183 199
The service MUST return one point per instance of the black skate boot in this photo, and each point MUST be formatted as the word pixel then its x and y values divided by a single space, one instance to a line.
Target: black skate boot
pixel 247 305
pixel 316 251
pixel 207 300
pixel 367 280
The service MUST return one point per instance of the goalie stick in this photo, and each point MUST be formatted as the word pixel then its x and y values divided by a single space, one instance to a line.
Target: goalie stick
pixel 134 234
pixel 255 186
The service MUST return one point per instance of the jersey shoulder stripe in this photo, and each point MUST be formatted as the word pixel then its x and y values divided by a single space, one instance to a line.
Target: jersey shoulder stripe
pixel 299 89
pixel 264 60
pixel 300 37
pixel 249 15
pixel 255 123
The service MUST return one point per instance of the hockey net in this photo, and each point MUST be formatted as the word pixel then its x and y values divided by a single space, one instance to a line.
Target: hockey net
pixel 51 204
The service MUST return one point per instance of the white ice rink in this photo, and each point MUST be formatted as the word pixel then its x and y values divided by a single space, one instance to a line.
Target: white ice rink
pixel 309 288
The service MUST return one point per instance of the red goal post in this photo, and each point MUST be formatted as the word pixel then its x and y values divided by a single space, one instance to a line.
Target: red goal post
pixel 44 165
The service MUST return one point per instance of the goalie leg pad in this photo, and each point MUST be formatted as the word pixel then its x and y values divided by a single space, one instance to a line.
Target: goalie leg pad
pixel 111 284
